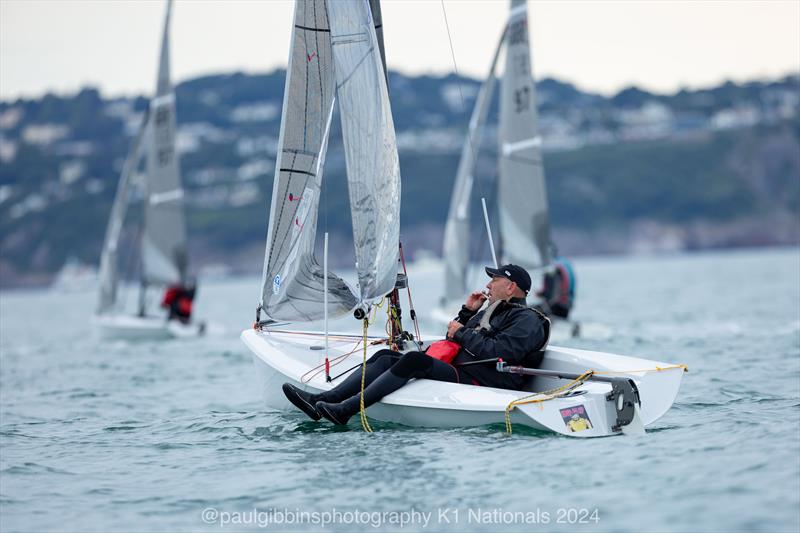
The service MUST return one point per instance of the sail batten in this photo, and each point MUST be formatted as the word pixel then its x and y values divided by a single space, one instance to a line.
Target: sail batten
pixel 524 218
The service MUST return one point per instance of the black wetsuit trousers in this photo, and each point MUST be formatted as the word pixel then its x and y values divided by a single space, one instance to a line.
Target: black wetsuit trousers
pixel 387 371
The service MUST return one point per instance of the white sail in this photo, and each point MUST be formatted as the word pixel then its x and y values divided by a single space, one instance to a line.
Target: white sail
pixel 373 169
pixel 524 220
pixel 293 282
pixel 108 259
pixel 456 231
pixel 164 240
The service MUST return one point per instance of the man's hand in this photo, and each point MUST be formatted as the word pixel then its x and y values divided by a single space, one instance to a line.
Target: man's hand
pixel 452 327
pixel 475 300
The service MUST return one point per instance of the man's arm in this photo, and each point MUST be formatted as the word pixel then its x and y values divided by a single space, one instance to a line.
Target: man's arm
pixel 471 307
pixel 465 314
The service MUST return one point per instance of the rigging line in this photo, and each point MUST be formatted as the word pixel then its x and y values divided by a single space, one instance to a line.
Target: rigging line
pixel 460 91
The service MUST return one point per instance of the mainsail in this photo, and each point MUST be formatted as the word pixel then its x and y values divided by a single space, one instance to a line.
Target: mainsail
pixel 292 285
pixel 164 241
pixel 456 230
pixel 524 221
pixel 108 259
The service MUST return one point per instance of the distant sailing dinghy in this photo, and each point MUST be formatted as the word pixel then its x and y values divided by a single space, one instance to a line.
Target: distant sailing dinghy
pixel 336 53
pixel 524 225
pixel 163 244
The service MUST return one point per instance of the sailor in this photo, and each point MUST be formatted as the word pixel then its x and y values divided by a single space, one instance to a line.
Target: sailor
pixel 179 300
pixel 558 289
pixel 507 329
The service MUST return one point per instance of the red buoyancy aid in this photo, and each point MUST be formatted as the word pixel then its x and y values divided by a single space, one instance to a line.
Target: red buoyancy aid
pixel 169 296
pixel 185 306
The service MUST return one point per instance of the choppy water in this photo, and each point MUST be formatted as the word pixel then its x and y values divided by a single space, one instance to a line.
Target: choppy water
pixel 98 436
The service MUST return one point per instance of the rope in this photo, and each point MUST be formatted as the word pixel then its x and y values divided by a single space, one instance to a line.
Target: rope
pixel 362 410
pixel 333 362
pixel 460 91
pixel 546 395
pixel 338 359
pixel 341 337
pixel 412 313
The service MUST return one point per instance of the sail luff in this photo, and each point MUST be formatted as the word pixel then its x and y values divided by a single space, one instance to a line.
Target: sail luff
pixel 108 259
pixel 522 193
pixel 293 281
pixel 373 169
pixel 377 20
pixel 456 232
pixel 164 253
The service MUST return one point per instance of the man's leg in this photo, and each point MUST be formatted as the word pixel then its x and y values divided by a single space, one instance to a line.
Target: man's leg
pixel 379 363
pixel 412 365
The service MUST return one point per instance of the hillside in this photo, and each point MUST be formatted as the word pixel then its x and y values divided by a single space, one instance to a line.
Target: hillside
pixel 632 173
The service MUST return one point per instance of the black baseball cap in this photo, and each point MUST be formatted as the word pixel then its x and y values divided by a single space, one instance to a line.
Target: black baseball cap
pixel 515 273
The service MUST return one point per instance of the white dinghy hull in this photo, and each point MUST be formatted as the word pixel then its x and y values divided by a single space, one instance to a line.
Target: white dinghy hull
pixel 130 327
pixel 295 357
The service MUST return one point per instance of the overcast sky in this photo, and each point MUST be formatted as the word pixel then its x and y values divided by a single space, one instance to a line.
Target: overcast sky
pixel 603 46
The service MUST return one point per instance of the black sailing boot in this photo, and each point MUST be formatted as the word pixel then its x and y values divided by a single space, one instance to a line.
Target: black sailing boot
pixel 351 385
pixel 302 400
pixel 340 413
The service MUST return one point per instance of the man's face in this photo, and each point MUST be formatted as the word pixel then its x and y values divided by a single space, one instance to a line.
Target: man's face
pixel 500 289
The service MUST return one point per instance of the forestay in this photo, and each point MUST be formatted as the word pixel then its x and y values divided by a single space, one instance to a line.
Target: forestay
pixel 109 276
pixel 373 169
pixel 524 220
pixel 456 231
pixel 164 240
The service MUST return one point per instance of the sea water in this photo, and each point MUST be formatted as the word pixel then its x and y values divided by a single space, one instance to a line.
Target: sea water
pixel 172 435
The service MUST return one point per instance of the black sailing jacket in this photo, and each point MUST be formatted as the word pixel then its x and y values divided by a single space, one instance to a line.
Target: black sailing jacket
pixel 517 335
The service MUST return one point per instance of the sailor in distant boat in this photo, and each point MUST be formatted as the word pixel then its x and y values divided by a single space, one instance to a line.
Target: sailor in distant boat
pixel 506 329
pixel 179 300
pixel 558 289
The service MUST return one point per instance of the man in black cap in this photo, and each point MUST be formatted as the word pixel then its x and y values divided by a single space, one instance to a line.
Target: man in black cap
pixel 506 329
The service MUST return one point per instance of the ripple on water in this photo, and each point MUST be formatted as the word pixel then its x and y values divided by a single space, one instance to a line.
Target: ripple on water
pixel 159 432
pixel 34 469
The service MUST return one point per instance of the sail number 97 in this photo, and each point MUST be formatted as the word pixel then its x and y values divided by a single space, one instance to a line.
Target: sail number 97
pixel 577 516
pixel 522 99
